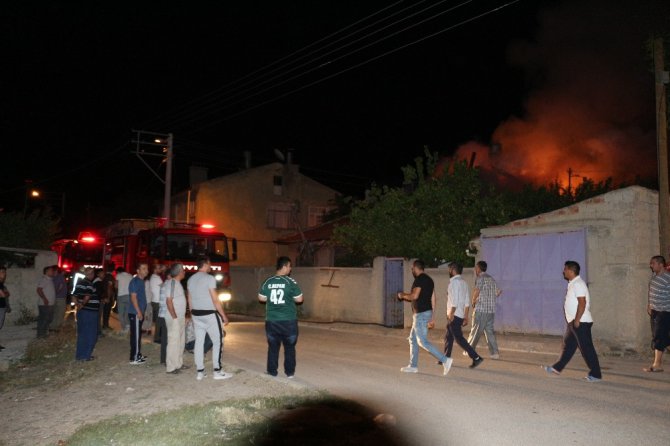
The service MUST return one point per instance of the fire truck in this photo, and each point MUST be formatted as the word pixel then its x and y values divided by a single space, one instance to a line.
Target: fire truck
pixel 76 254
pixel 130 242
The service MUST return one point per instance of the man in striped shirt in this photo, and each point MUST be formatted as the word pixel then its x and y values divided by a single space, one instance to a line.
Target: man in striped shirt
pixel 658 308
pixel 484 303
pixel 88 305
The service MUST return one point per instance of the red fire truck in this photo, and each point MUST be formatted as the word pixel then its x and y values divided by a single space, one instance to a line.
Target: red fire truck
pixel 133 241
pixel 75 255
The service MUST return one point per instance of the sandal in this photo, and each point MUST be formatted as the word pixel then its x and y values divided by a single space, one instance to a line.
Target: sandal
pixel 652 369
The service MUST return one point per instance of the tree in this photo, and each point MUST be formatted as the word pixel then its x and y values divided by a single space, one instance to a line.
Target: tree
pixel 36 231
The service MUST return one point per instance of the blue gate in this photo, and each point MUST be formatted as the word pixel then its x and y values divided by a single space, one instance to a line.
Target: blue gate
pixel 393 283
pixel 529 270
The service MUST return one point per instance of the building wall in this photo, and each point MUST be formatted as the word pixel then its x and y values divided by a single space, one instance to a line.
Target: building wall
pixel 237 204
pixel 622 235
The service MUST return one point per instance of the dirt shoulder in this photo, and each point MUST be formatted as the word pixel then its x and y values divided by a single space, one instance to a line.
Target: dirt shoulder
pixel 44 404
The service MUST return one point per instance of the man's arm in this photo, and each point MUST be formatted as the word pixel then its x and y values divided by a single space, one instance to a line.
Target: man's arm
pixel 262 299
pixel 40 292
pixel 299 299
pixel 475 297
pixel 411 296
pixel 466 303
pixel 134 302
pixel 581 307
pixel 217 305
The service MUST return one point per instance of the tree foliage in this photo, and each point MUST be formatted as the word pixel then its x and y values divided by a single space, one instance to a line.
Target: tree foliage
pixel 434 218
pixel 36 231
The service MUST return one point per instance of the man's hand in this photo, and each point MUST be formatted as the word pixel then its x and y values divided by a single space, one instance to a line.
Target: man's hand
pixel 575 323
pixel 140 316
pixel 399 296
pixel 649 309
pixel 225 319
pixel 465 322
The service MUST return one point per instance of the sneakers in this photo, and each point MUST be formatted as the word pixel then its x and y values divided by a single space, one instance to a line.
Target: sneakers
pixel 173 372
pixel 465 353
pixel 409 369
pixel 475 362
pixel 290 376
pixel 550 370
pixel 592 379
pixel 220 374
pixel 495 356
pixel 201 375
pixel 138 361
pixel 447 366
pixel 184 367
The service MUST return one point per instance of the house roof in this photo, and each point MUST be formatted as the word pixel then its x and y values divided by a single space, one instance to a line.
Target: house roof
pixel 322 232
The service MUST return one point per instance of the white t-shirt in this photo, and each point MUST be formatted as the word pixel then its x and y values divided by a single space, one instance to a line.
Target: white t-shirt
pixel 178 298
pixel 198 286
pixel 49 290
pixel 458 295
pixel 123 280
pixel 577 288
pixel 155 283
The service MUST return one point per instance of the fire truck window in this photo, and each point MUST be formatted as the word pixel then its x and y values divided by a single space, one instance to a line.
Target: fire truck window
pixel 157 247
pixel 200 246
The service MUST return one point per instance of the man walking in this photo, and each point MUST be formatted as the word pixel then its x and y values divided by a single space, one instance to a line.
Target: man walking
pixel 484 306
pixel 46 293
pixel 207 314
pixel 280 294
pixel 136 309
pixel 458 307
pixel 658 308
pixel 577 309
pixel 422 298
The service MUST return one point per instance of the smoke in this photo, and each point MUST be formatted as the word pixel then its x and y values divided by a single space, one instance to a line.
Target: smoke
pixel 591 106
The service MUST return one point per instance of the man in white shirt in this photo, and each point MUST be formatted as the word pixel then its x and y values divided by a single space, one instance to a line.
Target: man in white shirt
pixel 458 306
pixel 46 293
pixel 173 313
pixel 577 309
pixel 122 297
pixel 155 282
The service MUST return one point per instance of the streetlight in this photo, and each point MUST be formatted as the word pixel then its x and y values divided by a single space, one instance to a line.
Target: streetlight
pixel 61 196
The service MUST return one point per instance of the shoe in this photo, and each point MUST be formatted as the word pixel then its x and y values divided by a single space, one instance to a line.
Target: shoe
pixel 91 358
pixel 143 357
pixel 447 366
pixel 409 369
pixel 201 374
pixel 652 369
pixel 550 370
pixel 465 353
pixel 138 361
pixel 592 379
pixel 184 367
pixel 174 372
pixel 220 374
pixel 439 363
pixel 495 356
pixel 290 376
pixel 274 375
pixel 475 362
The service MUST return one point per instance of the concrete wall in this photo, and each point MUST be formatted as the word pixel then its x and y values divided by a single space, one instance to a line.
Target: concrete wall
pixel 339 294
pixel 22 284
pixel 621 236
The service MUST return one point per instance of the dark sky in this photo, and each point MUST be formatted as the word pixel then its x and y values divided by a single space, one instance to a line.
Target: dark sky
pixel 338 82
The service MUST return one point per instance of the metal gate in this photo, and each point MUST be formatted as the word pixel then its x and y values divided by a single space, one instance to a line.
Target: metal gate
pixel 529 270
pixel 393 283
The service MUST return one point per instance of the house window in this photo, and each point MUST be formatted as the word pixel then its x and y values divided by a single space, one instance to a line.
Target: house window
pixel 277 183
pixel 316 214
pixel 280 216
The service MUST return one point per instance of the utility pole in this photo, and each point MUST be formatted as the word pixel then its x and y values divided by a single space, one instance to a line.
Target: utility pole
pixel 661 79
pixel 165 141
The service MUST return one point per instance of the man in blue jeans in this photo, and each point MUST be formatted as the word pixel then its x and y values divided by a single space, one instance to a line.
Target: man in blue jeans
pixel 422 298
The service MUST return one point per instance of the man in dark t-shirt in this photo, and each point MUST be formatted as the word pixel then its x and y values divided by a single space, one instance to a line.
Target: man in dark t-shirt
pixel 422 298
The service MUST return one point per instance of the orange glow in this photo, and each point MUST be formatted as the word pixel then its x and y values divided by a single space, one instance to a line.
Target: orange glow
pixel 207 226
pixel 87 237
pixel 35 193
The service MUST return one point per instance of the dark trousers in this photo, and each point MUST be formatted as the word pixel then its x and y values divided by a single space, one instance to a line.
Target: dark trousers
pixel 135 336
pixel 579 337
pixel 44 318
pixel 455 333
pixel 281 333
pixel 87 333
pixel 106 312
pixel 158 329
pixel 660 323
pixel 160 326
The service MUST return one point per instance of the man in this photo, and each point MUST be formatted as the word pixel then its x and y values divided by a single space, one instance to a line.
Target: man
pixel 577 309
pixel 175 319
pixel 99 285
pixel 61 297
pixel 122 297
pixel 658 308
pixel 458 307
pixel 280 294
pixel 46 293
pixel 422 298
pixel 484 305
pixel 87 304
pixel 207 314
pixel 136 309
pixel 155 282
pixel 4 299
pixel 109 285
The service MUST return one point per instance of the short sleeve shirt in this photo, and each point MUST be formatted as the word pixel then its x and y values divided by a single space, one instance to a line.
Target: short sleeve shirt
pixel 458 295
pixel 577 288
pixel 424 302
pixel 172 288
pixel 659 292
pixel 138 287
pixel 198 286
pixel 123 280
pixel 47 285
pixel 488 291
pixel 280 292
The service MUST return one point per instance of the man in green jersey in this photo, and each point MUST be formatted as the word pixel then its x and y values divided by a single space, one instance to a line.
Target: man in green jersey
pixel 280 293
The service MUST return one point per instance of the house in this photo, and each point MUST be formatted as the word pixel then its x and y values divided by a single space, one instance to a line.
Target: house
pixel 313 246
pixel 257 206
pixel 612 236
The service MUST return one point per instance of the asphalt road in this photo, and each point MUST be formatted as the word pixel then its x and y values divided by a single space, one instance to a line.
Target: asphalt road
pixel 506 402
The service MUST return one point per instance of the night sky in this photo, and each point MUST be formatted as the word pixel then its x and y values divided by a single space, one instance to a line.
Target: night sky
pixel 355 89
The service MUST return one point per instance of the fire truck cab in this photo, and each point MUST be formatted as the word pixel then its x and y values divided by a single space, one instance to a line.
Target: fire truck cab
pixel 131 242
pixel 76 254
